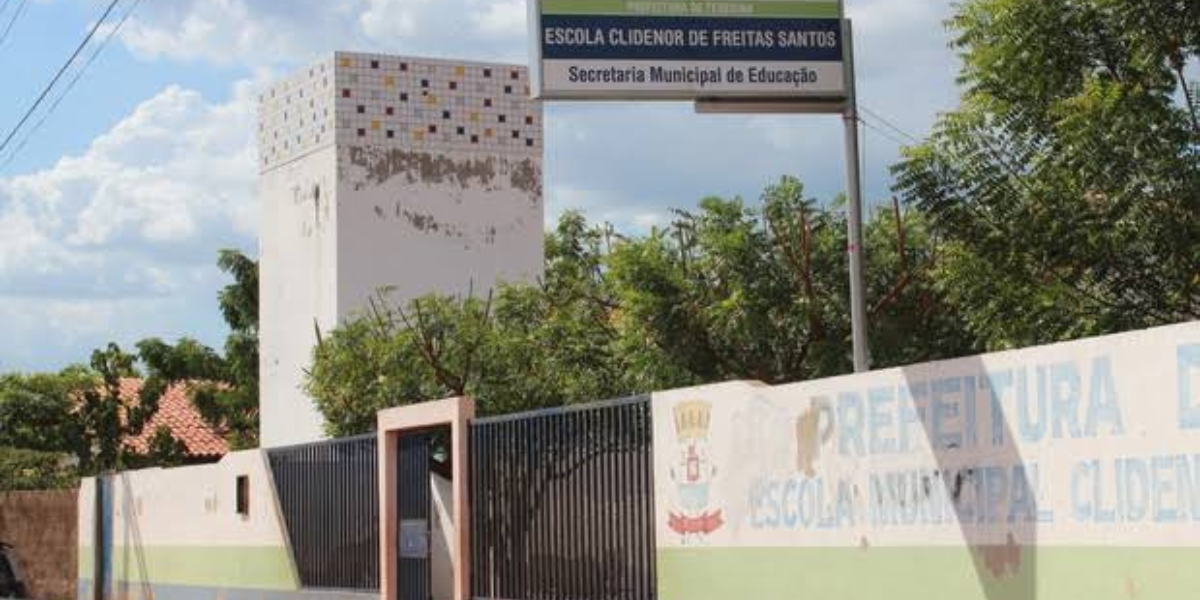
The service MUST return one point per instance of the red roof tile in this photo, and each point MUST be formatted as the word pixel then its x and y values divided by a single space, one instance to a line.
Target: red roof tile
pixel 176 412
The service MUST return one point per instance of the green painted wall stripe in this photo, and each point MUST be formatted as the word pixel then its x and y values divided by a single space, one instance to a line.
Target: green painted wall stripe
pixel 780 8
pixel 1045 573
pixel 252 567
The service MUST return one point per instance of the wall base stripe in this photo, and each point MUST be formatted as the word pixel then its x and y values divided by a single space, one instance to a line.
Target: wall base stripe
pixel 251 567
pixel 929 573
pixel 160 591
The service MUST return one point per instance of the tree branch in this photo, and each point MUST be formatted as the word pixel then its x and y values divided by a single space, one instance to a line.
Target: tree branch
pixel 905 275
pixel 470 352
pixel 1189 99
pixel 428 349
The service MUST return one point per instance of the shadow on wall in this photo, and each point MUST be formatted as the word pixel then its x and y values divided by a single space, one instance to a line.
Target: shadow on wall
pixel 134 579
pixel 992 490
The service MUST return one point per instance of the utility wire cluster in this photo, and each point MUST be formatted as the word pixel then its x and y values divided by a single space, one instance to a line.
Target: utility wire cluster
pixel 73 69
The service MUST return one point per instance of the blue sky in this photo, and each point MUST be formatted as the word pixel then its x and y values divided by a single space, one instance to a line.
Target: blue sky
pixel 112 213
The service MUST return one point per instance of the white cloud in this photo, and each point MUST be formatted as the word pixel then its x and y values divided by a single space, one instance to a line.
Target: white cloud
pixel 627 215
pixel 268 33
pixel 383 18
pixel 500 18
pixel 217 30
pixel 47 334
pixel 174 167
pixel 116 239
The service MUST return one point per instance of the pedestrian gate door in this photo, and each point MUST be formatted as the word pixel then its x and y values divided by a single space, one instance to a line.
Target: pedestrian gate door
pixel 413 569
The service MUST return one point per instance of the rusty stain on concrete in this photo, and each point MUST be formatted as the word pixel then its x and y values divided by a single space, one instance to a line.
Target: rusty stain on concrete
pixel 1002 560
pixel 809 437
pixel 1131 588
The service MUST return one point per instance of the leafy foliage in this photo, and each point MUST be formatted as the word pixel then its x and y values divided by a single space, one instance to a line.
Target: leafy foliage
pixel 724 292
pixel 80 412
pixel 106 419
pixel 36 410
pixel 165 450
pixel 1067 184
pixel 23 469
pixel 233 406
pixel 733 292
pixel 524 346
pixel 224 389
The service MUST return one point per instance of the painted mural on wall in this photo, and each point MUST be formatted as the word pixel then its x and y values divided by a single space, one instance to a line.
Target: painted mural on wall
pixel 1003 464
pixel 694 515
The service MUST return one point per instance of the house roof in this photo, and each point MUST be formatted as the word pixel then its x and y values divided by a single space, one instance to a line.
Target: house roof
pixel 179 415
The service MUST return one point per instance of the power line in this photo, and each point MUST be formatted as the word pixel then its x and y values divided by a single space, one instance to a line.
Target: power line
pixel 882 132
pixel 63 69
pixel 70 84
pixel 13 21
pixel 887 123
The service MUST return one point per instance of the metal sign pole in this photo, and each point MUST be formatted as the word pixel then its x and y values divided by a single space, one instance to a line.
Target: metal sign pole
pixel 854 244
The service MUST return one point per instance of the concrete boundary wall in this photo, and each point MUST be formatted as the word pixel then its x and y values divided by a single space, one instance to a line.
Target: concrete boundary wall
pixel 41 527
pixel 176 534
pixel 1054 473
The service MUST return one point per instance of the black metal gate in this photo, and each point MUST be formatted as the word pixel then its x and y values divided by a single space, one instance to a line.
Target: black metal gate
pixel 329 496
pixel 562 504
pixel 413 511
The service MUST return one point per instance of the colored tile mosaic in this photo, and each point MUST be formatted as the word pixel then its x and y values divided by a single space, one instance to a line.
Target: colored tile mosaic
pixel 297 115
pixel 401 102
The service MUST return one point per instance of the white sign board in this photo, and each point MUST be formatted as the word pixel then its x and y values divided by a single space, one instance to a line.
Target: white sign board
pixel 688 50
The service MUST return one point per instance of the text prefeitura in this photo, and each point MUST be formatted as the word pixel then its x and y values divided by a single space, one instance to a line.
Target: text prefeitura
pixel 720 38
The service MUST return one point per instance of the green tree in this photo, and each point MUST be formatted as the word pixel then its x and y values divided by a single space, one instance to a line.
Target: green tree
pixel 224 389
pixel 106 417
pixel 81 412
pixel 1066 186
pixel 733 292
pixel 23 469
pixel 232 406
pixel 522 347
pixel 41 441
pixel 724 292
pixel 163 450
pixel 37 410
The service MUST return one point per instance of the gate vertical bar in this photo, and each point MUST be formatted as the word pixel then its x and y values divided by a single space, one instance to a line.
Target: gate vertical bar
pixel 561 504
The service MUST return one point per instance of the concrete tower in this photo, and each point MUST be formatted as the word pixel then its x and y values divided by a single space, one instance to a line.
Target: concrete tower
pixel 416 174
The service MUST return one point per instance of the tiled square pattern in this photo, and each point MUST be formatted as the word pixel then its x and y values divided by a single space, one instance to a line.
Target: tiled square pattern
pixel 399 102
